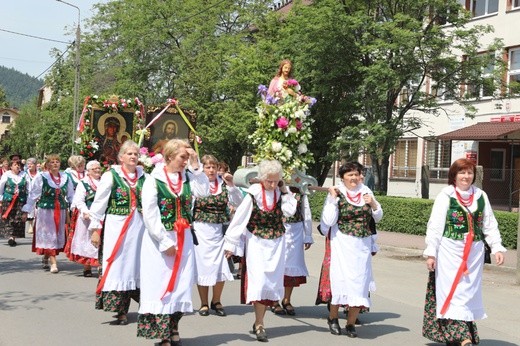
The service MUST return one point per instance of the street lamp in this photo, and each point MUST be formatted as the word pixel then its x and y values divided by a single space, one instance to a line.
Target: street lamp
pixel 76 77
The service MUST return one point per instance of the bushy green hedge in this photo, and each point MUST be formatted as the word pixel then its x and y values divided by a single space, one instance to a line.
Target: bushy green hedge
pixel 410 215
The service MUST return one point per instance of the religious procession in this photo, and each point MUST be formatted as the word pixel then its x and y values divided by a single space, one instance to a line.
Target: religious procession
pixel 151 219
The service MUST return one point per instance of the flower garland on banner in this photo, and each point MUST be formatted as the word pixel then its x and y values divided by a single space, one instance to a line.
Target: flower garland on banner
pixel 284 129
pixel 169 103
pixel 87 144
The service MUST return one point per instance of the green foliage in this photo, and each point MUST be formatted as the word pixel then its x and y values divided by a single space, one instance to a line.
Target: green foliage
pixel 3 99
pixel 19 88
pixel 411 215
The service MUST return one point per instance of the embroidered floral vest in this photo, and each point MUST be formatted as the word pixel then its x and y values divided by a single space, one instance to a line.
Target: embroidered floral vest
pixel 119 202
pixel 213 208
pixel 48 195
pixel 457 220
pixel 10 190
pixel 90 194
pixel 266 224
pixel 74 182
pixel 298 216
pixel 167 203
pixel 354 220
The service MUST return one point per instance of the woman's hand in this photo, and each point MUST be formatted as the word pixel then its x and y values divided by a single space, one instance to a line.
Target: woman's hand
pixel 430 263
pixel 24 216
pixel 86 216
pixel 369 199
pixel 171 251
pixel 499 258
pixel 95 238
pixel 194 158
pixel 333 192
pixel 228 179
pixel 228 253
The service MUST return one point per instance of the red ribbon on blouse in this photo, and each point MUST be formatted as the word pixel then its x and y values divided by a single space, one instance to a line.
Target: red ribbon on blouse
pixel 179 226
pixel 463 269
pixel 110 260
pixel 11 205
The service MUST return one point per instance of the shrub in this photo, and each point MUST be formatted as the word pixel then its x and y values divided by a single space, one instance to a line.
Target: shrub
pixel 410 215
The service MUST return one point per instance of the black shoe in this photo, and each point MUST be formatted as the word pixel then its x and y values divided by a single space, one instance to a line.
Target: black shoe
pixel 289 309
pixel 277 309
pixel 87 273
pixel 334 326
pixel 219 310
pixel 260 333
pixel 204 310
pixel 119 322
pixel 173 342
pixel 351 331
pixel 11 242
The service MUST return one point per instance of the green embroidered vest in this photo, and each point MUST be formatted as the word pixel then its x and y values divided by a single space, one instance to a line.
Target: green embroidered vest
pixel 354 220
pixel 167 203
pixel 49 194
pixel 297 217
pixel 10 190
pixel 119 202
pixel 266 224
pixel 213 208
pixel 457 220
pixel 90 194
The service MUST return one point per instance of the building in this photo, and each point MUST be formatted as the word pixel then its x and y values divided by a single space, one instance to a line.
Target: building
pixel 9 116
pixel 491 138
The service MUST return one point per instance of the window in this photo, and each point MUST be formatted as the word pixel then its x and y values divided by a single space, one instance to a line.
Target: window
pixel 514 67
pixel 438 155
pixel 404 159
pixel 497 164
pixel 486 87
pixel 515 4
pixel 6 119
pixel 483 7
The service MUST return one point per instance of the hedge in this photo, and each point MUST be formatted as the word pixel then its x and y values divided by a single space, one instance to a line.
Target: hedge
pixel 410 215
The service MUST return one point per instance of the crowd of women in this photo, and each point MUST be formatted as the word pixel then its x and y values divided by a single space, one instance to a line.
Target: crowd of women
pixel 155 236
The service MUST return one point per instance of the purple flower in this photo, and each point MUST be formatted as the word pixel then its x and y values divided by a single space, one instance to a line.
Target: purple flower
pixel 262 89
pixel 282 123
pixel 270 100
pixel 312 101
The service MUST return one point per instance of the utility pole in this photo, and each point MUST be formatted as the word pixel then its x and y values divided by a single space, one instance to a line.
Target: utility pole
pixel 75 117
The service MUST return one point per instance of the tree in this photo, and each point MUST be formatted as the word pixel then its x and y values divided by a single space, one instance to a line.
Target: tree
pixel 3 100
pixel 358 56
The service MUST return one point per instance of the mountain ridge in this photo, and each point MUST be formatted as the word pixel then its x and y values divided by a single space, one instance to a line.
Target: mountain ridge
pixel 19 87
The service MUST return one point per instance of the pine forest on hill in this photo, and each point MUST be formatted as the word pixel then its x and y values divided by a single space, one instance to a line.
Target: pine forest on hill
pixel 19 88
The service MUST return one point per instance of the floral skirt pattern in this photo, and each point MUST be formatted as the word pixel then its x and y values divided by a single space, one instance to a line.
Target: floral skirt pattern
pixel 13 226
pixel 324 295
pixel 116 301
pixel 442 329
pixel 158 326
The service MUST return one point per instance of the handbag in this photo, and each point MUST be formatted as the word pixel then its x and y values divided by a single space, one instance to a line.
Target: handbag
pixel 487 252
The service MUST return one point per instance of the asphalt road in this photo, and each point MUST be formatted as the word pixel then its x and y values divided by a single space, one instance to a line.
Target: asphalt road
pixel 40 308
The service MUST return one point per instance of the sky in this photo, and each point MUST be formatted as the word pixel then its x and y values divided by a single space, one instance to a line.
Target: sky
pixel 43 18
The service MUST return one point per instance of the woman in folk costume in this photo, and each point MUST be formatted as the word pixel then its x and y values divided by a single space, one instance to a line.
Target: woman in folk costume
pixel 209 215
pixel 52 192
pixel 346 217
pixel 76 169
pixel 298 238
pixel 116 223
pixel 167 258
pixel 259 218
pixel 460 221
pixel 13 195
pixel 79 247
pixel 31 172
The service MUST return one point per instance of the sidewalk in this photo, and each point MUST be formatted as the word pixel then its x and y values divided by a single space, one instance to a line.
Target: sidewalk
pixel 413 245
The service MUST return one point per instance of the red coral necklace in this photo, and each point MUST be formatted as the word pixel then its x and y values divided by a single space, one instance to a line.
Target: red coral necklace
pixel 264 201
pixel 175 187
pixel 131 181
pixel 56 181
pixel 354 199
pixel 213 188
pixel 466 202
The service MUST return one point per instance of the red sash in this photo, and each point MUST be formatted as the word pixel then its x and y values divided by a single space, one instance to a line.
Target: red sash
pixel 179 226
pixel 110 260
pixel 57 210
pixel 463 269
pixel 10 207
